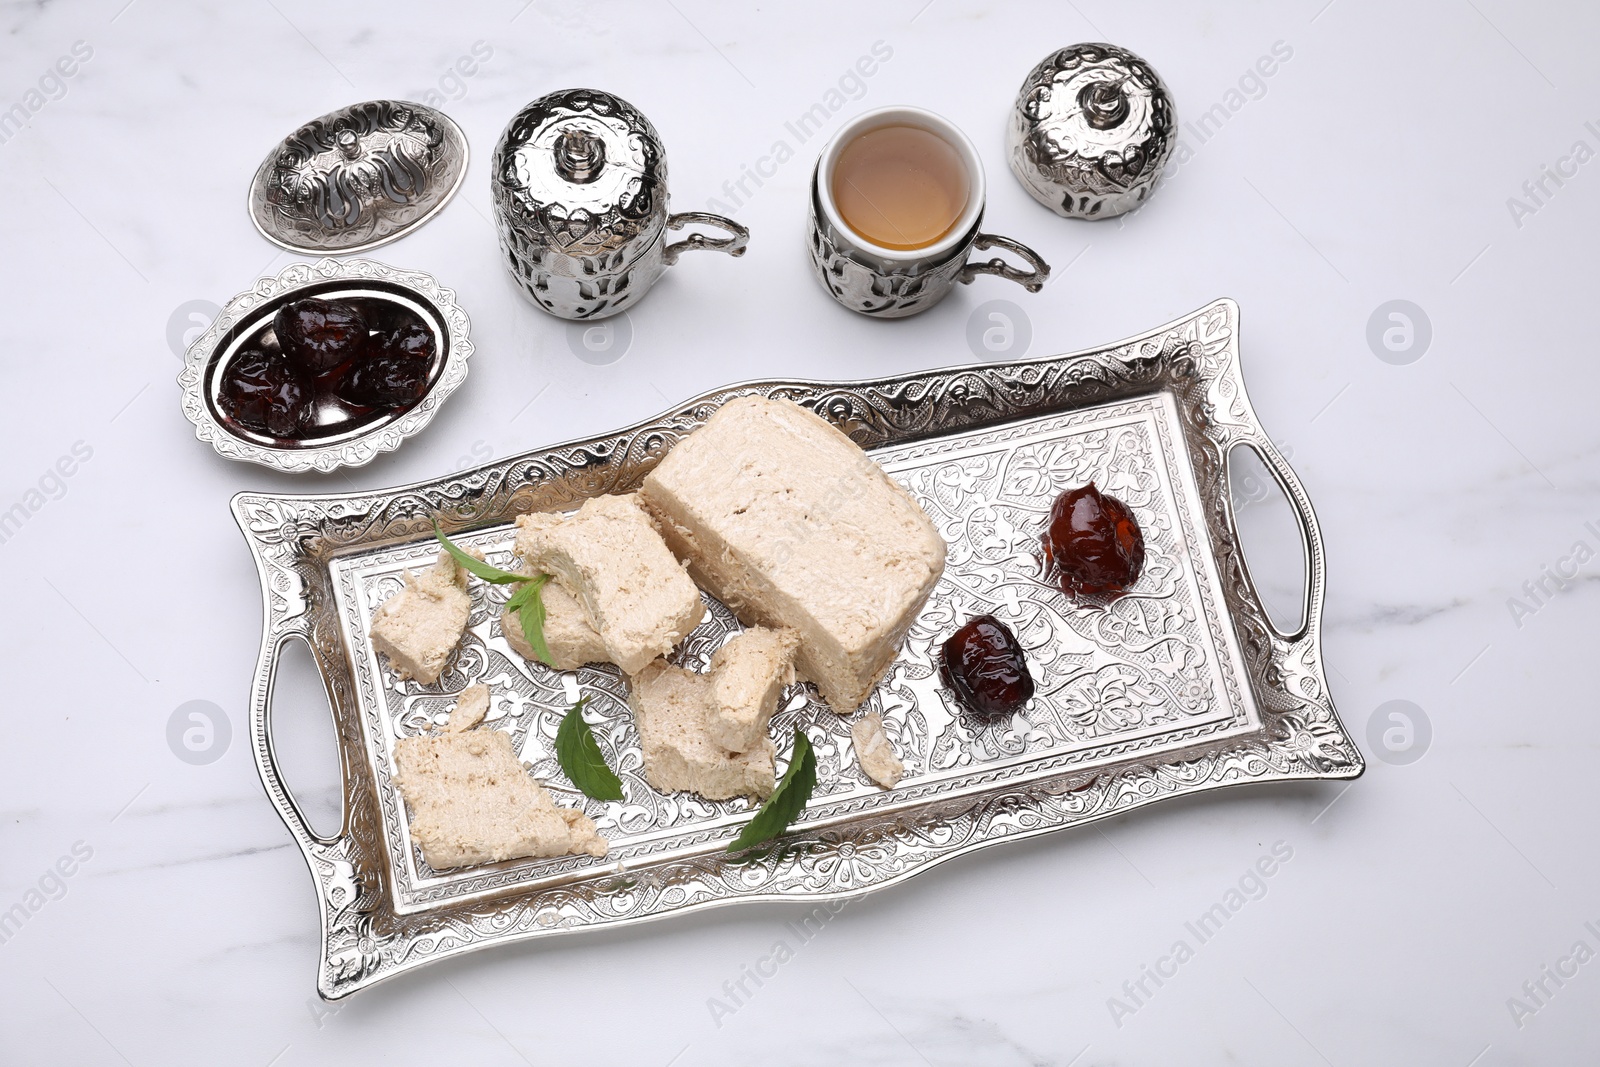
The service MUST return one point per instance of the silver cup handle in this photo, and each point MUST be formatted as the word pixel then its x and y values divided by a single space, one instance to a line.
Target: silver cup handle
pixel 734 244
pixel 1032 279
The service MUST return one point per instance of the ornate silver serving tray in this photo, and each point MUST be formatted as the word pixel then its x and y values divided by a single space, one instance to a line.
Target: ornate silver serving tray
pixel 249 312
pixel 1180 686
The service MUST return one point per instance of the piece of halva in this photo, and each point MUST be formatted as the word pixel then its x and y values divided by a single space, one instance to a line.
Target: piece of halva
pixel 567 630
pixel 472 801
pixel 671 707
pixel 611 557
pixel 419 627
pixel 874 752
pixel 747 677
pixel 472 707
pixel 785 520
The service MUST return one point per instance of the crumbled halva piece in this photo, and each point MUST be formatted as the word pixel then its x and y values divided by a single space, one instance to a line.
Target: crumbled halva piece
pixel 785 520
pixel 473 802
pixel 873 751
pixel 671 707
pixel 747 677
pixel 472 707
pixel 418 627
pixel 611 557
pixel 567 630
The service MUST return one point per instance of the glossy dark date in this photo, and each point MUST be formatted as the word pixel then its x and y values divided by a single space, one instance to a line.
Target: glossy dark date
pixel 387 380
pixel 266 393
pixel 1093 547
pixel 984 665
pixel 412 339
pixel 321 337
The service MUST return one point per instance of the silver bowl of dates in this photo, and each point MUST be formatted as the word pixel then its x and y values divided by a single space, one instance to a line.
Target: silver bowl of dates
pixel 326 365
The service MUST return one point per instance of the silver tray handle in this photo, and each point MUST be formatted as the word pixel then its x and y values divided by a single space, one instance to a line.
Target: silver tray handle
pixel 339 886
pixel 1313 562
pixel 1032 279
pixel 261 741
pixel 734 244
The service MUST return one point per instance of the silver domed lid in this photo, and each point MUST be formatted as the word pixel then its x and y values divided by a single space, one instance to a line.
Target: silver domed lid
pixel 358 177
pixel 582 173
pixel 1091 130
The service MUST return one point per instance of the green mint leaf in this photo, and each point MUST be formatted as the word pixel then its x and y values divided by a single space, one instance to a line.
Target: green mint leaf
pixel 526 601
pixel 579 755
pixel 530 612
pixel 527 591
pixel 475 565
pixel 786 802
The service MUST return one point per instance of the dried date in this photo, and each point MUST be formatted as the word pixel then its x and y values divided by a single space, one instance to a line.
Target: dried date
pixel 1093 547
pixel 984 665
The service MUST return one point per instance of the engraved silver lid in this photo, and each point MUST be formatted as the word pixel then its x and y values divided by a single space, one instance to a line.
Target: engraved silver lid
pixel 580 202
pixel 582 173
pixel 358 177
pixel 1091 130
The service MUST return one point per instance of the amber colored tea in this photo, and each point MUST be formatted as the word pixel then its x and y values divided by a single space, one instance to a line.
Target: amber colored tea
pixel 900 187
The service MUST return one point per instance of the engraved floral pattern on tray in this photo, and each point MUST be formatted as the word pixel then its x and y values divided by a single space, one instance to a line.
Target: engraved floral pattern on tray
pixel 1093 757
pixel 1102 670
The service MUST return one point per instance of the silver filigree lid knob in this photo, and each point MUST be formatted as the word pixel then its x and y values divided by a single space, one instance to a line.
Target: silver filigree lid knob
pixel 1091 131
pixel 580 155
pixel 358 177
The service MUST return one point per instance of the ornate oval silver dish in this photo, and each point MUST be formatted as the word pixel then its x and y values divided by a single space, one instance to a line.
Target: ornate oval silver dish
pixel 1091 130
pixel 579 181
pixel 358 177
pixel 250 312
pixel 1183 688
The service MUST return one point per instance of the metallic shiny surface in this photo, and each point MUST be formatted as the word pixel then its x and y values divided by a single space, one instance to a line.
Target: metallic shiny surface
pixel 1179 687
pixel 1091 130
pixel 579 182
pixel 358 177
pixel 248 312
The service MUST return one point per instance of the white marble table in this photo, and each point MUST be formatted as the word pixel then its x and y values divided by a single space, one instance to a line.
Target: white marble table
pixel 1396 152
